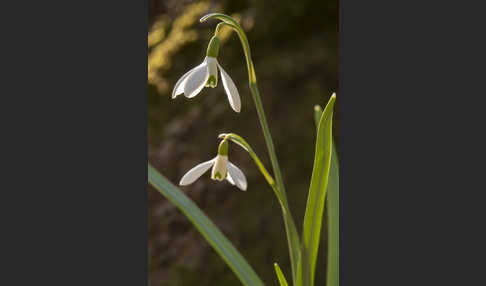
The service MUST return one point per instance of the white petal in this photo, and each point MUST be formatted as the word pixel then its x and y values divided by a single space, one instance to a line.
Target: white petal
pixel 179 86
pixel 231 91
pixel 237 176
pixel 229 179
pixel 196 172
pixel 196 80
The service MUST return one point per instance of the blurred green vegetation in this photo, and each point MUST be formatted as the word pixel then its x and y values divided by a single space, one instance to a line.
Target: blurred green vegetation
pixel 294 47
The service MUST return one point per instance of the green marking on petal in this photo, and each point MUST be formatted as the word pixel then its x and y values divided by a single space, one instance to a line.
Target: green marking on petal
pixel 218 176
pixel 212 81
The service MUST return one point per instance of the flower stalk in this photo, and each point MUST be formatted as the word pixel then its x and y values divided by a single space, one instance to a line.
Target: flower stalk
pixel 243 144
pixel 292 234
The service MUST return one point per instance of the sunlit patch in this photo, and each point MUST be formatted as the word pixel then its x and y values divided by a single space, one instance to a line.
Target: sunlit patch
pixel 166 39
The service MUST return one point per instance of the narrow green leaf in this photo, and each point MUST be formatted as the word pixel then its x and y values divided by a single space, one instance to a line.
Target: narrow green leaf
pixel 332 276
pixel 206 227
pixel 298 276
pixel 317 114
pixel 317 194
pixel 280 276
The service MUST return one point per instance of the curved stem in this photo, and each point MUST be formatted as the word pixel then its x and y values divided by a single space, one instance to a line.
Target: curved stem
pixel 235 138
pixel 268 138
pixel 291 230
pixel 227 20
pixel 292 234
pixel 241 34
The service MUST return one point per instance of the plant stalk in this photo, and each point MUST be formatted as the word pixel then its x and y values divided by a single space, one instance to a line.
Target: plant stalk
pixel 291 230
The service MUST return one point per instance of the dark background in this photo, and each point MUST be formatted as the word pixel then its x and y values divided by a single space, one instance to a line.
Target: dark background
pixel 294 46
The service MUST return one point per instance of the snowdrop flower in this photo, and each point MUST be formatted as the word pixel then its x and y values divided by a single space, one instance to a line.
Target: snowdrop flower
pixel 222 169
pixel 206 74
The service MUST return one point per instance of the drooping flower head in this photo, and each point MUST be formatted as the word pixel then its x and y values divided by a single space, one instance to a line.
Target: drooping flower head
pixel 206 74
pixel 222 169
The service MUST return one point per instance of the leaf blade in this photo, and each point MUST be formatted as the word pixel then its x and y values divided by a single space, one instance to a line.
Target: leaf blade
pixel 332 277
pixel 317 194
pixel 280 276
pixel 206 227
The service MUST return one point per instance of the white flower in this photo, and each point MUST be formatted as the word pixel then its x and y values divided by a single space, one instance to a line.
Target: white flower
pixel 222 169
pixel 206 74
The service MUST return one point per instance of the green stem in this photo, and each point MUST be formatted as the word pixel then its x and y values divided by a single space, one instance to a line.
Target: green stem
pixel 242 142
pixel 291 230
pixel 235 138
pixel 241 34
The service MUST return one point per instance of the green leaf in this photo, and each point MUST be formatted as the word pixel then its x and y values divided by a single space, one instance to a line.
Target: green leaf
pixel 333 221
pixel 298 275
pixel 206 227
pixel 317 115
pixel 332 277
pixel 317 194
pixel 280 276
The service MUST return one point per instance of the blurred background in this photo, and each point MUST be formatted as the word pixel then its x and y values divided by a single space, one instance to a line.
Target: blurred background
pixel 294 46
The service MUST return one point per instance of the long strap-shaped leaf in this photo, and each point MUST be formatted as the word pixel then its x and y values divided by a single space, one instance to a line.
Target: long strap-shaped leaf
pixel 206 227
pixel 332 277
pixel 317 194
pixel 280 276
pixel 333 221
